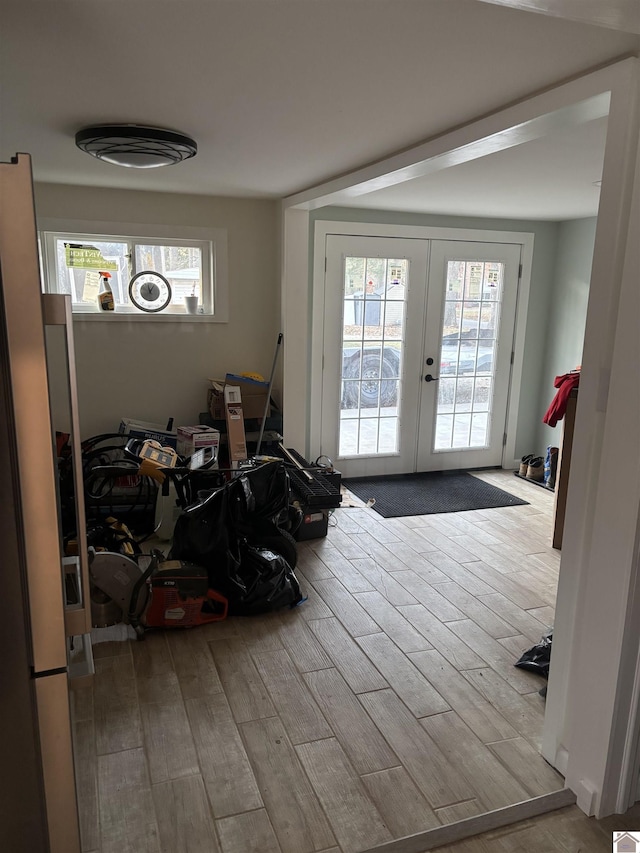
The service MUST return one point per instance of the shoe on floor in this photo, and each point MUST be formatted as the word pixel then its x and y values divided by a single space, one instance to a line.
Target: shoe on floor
pixel 524 464
pixel 535 469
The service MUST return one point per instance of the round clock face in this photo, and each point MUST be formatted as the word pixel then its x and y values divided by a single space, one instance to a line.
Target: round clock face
pixel 149 291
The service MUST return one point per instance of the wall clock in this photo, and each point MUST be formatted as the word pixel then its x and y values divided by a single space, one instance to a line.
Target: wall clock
pixel 149 291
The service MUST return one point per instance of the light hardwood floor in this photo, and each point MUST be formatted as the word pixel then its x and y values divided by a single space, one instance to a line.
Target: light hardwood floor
pixel 386 704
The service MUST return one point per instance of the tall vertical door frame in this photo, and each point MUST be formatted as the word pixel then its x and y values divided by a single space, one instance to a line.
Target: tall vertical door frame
pixel 296 323
pixel 591 723
pixel 594 688
pixel 323 229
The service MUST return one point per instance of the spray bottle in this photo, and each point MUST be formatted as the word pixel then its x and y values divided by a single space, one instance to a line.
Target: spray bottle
pixel 105 297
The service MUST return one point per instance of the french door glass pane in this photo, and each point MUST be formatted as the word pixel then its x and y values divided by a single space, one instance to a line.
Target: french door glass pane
pixel 473 296
pixel 373 338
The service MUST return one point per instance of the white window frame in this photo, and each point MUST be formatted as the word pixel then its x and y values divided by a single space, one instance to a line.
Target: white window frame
pixel 212 242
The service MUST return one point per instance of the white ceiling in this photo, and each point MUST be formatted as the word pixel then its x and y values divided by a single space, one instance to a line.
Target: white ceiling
pixel 283 94
pixel 616 14
pixel 549 178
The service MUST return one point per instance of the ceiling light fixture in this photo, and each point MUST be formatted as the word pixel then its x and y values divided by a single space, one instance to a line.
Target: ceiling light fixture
pixel 134 146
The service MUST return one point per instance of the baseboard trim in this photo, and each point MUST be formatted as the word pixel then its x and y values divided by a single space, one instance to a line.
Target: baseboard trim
pixel 454 832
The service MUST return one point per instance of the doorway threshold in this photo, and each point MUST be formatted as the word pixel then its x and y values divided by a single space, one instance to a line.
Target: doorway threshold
pixel 451 833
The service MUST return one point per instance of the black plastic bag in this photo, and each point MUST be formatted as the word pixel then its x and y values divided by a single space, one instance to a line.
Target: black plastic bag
pixel 204 534
pixel 269 582
pixel 537 658
pixel 233 533
pixel 261 494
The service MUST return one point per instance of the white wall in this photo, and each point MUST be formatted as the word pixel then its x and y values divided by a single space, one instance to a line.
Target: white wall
pixel 568 314
pixel 154 371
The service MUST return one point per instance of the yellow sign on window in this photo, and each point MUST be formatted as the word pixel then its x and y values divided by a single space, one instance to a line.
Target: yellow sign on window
pixel 86 258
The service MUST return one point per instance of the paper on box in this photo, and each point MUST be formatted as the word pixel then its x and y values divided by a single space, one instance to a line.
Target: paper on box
pixel 254 396
pixel 235 423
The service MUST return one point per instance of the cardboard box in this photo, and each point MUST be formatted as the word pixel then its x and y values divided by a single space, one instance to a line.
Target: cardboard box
pixel 254 396
pixel 194 438
pixel 215 399
pixel 146 430
pixel 235 424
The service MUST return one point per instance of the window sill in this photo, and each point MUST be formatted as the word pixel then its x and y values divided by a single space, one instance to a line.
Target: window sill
pixel 125 317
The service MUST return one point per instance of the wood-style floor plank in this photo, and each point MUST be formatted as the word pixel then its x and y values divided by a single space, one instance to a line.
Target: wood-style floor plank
pixel 494 786
pixel 293 807
pixel 193 665
pixel 127 816
pixel 459 811
pixel 481 717
pixel 184 818
pixel 345 544
pixel 248 833
pixel 227 774
pixel 169 746
pixel 312 565
pixel 117 714
pixel 474 609
pixel 261 632
pixel 526 622
pixel 356 822
pixel 405 678
pixel 248 697
pixel 545 614
pixel 112 640
pixel 526 764
pixel 156 679
pixel 520 594
pixel 345 570
pixel 313 607
pixel 346 608
pixel 393 623
pixel 368 751
pixel 355 667
pixel 496 656
pixel 372 524
pixel 384 582
pixel 442 638
pixel 85 760
pixel 81 702
pixel 525 718
pixel 411 542
pixel 428 596
pixel 382 555
pixel 295 704
pixel 457 572
pixel 397 798
pixel 438 780
pixel 303 647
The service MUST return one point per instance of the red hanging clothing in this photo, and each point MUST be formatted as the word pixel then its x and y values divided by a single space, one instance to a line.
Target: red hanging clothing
pixel 565 385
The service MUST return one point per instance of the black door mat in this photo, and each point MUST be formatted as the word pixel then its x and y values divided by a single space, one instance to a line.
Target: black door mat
pixel 428 493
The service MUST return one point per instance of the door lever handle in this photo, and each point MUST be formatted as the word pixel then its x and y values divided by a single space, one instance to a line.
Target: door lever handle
pixel 430 378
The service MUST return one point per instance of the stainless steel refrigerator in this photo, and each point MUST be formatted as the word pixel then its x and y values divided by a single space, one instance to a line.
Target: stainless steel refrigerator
pixel 38 808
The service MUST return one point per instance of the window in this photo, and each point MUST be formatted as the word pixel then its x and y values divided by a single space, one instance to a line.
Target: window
pixel 192 260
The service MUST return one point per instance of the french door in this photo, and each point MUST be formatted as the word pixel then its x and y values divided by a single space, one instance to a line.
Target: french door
pixel 472 296
pixel 418 338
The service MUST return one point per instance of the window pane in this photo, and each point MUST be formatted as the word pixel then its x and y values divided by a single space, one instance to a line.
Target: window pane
pixel 79 264
pixel 373 329
pixel 181 265
pixel 470 327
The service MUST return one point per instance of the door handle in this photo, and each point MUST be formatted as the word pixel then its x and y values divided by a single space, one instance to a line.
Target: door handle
pixel 430 378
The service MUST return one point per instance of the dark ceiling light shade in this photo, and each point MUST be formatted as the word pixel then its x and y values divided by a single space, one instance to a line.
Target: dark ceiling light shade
pixel 136 147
